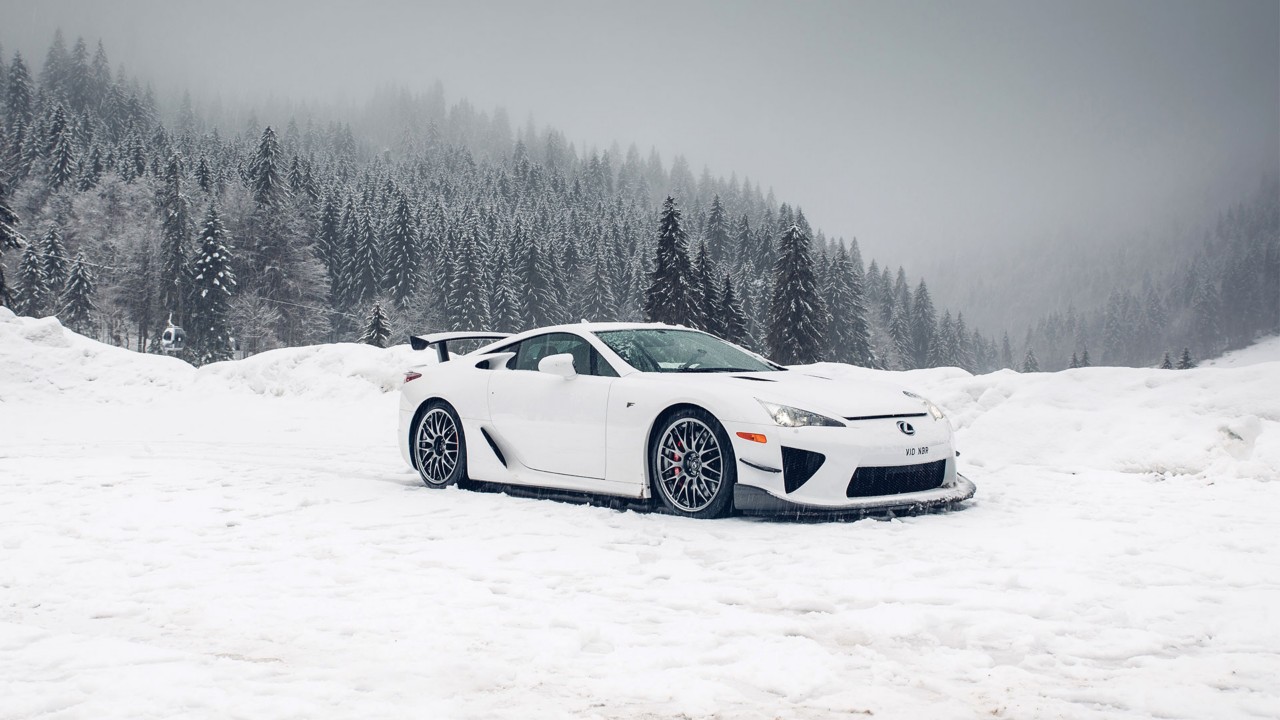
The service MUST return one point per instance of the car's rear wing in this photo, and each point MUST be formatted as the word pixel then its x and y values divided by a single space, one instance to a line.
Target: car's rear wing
pixel 441 340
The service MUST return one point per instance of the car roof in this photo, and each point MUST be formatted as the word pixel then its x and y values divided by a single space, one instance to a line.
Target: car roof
pixel 599 327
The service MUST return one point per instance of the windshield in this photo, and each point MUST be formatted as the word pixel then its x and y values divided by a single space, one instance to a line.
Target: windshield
pixel 673 350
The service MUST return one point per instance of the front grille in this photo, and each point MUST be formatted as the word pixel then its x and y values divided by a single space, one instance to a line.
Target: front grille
pixel 895 480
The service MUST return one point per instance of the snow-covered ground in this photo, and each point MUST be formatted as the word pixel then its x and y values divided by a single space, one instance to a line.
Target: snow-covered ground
pixel 243 541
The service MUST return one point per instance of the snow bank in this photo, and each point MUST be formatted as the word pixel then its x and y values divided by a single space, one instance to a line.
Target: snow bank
pixel 40 360
pixel 39 357
pixel 1207 423
pixel 1213 423
pixel 1265 350
pixel 344 370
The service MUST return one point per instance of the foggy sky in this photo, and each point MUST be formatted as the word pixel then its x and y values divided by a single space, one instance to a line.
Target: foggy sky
pixel 907 125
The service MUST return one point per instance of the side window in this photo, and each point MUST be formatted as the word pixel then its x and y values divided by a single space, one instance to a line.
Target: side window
pixel 586 359
pixel 558 343
pixel 512 348
pixel 529 352
pixel 600 366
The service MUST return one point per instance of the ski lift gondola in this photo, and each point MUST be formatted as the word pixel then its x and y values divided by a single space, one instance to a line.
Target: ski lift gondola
pixel 173 338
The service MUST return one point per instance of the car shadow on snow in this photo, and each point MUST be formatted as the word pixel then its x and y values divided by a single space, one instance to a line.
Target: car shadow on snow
pixel 654 506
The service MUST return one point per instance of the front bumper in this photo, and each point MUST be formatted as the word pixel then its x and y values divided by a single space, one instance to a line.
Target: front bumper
pixel 757 501
pixel 833 482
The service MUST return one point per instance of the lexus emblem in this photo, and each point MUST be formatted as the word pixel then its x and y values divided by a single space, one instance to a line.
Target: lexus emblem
pixel 906 428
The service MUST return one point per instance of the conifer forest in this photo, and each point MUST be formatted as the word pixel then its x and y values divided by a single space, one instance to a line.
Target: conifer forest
pixel 122 213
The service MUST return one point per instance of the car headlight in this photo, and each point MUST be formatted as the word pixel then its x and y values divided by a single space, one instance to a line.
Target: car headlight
pixel 788 416
pixel 934 410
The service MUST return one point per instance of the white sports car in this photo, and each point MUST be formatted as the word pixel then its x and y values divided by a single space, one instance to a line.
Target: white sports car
pixel 647 411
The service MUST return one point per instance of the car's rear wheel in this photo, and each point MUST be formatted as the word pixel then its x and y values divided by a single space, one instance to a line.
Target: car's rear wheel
pixel 439 447
pixel 691 465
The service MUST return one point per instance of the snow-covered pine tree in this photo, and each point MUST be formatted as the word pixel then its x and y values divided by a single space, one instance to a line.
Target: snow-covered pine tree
pixel 1006 352
pixel 1185 362
pixel 54 258
pixel 1029 363
pixel 732 317
pixel 10 238
pixel 364 266
pixel 505 308
pixel 329 240
pixel 175 223
pixel 598 302
pixel 469 302
pixel 537 267
pixel 744 246
pixel 377 328
pixel 341 280
pixel 797 314
pixel 1166 364
pixel 900 329
pixel 966 357
pixel 1084 359
pixel 32 294
pixel 269 187
pixel 91 170
pixel 294 176
pixel 77 301
pixel 20 93
pixel 670 297
pixel 717 232
pixel 61 161
pixel 402 254
pixel 706 290
pixel 848 337
pixel 1206 309
pixel 1075 362
pixel 946 350
pixel 204 176
pixel 898 291
pixel 924 326
pixel 212 284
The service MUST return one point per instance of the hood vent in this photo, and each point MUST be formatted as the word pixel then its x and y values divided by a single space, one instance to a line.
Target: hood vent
pixel 757 379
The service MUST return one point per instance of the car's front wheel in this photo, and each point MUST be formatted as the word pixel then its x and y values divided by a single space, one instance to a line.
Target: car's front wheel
pixel 691 465
pixel 439 447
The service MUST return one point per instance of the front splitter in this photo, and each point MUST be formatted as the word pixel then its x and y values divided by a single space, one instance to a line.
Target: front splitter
pixel 756 501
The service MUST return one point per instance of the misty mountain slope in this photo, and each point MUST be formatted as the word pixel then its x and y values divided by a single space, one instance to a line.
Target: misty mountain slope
pixel 1131 303
pixel 1265 350
pixel 244 540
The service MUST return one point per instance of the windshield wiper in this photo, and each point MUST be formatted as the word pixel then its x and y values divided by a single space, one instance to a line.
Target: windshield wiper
pixel 718 369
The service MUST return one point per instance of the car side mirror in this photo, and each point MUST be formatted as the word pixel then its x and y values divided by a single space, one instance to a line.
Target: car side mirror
pixel 561 364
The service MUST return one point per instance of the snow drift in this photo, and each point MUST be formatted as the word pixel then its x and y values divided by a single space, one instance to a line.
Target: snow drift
pixel 242 540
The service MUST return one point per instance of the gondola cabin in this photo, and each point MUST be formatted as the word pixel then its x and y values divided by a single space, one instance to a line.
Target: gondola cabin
pixel 173 339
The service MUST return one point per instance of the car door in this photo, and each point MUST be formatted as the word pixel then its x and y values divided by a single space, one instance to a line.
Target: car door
pixel 554 424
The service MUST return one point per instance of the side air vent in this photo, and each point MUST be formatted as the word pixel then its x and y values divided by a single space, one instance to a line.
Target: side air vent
pixel 897 479
pixel 748 377
pixel 494 447
pixel 798 466
pixel 886 417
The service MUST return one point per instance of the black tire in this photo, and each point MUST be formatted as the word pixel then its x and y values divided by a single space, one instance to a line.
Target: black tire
pixel 439 446
pixel 699 484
